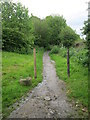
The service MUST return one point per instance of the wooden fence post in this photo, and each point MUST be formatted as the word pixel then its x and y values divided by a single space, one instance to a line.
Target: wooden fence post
pixel 35 72
pixel 68 64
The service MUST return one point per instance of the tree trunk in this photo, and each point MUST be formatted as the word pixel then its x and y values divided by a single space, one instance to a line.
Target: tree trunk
pixel 35 72
pixel 68 65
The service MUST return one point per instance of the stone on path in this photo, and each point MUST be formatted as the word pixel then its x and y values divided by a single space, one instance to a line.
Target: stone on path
pixel 47 98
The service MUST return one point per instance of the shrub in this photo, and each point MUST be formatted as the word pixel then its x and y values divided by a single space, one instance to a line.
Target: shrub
pixel 85 61
pixel 54 50
pixel 63 52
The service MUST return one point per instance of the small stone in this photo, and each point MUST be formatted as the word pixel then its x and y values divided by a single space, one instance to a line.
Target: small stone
pixel 53 62
pixel 26 81
pixel 83 110
pixel 51 112
pixel 58 113
pixel 38 97
pixel 77 105
pixel 47 98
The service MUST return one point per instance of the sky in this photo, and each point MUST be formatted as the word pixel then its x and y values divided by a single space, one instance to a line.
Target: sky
pixel 74 11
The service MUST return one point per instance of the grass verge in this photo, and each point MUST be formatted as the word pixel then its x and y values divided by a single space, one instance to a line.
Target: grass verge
pixel 77 84
pixel 16 66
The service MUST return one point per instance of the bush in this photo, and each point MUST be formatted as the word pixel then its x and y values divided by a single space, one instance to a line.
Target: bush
pixel 17 28
pixel 85 61
pixel 63 52
pixel 78 55
pixel 54 50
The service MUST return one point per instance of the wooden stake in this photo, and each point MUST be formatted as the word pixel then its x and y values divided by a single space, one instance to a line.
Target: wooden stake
pixel 68 64
pixel 35 72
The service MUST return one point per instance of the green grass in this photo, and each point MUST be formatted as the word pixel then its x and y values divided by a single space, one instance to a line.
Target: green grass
pixel 16 66
pixel 77 84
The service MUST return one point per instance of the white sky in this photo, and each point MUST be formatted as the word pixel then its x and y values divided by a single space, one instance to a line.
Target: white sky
pixel 74 11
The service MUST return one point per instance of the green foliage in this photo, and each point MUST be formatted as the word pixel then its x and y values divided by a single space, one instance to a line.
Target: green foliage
pixel 86 27
pixel 21 32
pixel 15 67
pixel 63 52
pixel 78 55
pixel 54 50
pixel 68 36
pixel 46 31
pixel 86 32
pixel 40 31
pixel 16 27
pixel 55 25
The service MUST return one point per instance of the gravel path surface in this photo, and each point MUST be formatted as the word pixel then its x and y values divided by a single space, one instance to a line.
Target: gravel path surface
pixel 48 99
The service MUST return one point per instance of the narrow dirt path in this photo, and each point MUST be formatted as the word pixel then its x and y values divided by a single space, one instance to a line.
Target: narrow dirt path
pixel 48 99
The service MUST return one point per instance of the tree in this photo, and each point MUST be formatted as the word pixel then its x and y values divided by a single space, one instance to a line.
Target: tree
pixel 46 31
pixel 55 25
pixel 40 31
pixel 17 33
pixel 68 37
pixel 86 31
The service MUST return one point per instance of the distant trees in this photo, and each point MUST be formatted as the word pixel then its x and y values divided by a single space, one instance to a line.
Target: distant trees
pixel 21 32
pixel 53 30
pixel 68 37
pixel 47 31
pixel 40 31
pixel 55 25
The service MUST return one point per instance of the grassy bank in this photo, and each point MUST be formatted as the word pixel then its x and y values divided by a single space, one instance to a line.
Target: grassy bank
pixel 77 84
pixel 16 66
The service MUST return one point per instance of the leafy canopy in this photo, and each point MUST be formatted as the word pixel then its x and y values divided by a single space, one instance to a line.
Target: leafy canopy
pixel 68 36
pixel 17 32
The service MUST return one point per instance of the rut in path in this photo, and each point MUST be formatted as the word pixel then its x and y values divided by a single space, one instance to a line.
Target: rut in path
pixel 48 99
